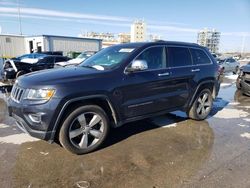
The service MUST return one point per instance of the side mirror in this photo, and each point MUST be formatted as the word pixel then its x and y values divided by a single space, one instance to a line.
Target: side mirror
pixel 137 65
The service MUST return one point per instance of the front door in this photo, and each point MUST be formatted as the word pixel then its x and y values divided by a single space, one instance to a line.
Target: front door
pixel 147 91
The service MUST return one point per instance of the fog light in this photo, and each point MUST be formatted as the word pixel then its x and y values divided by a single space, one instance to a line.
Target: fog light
pixel 36 118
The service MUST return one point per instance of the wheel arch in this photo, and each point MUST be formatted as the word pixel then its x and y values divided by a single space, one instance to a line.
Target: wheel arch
pixel 210 84
pixel 99 100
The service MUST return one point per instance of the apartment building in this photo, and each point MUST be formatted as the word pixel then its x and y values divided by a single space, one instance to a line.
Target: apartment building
pixel 138 31
pixel 209 38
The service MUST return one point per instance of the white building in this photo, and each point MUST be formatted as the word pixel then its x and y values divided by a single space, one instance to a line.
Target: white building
pixel 124 37
pixel 15 45
pixel 11 45
pixel 154 38
pixel 110 37
pixel 138 31
pixel 209 39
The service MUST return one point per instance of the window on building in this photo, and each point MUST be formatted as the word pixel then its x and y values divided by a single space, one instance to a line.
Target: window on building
pixel 8 40
pixel 200 57
pixel 179 56
pixel 155 57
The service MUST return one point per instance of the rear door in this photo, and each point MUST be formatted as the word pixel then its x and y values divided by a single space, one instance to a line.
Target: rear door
pixel 182 74
pixel 202 62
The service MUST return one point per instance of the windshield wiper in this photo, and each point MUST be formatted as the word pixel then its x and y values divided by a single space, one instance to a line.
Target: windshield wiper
pixel 87 66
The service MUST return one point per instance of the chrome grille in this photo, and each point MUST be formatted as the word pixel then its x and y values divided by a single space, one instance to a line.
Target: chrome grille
pixel 17 93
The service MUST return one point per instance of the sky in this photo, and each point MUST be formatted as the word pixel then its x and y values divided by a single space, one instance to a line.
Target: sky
pixel 175 20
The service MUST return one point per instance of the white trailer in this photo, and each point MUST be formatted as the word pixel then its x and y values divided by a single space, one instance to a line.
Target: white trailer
pixel 16 45
pixel 61 43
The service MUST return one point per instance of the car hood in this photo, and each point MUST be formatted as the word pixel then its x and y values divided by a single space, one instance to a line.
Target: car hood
pixel 246 68
pixel 57 76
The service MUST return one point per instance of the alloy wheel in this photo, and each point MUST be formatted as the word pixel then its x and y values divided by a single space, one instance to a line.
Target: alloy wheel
pixel 203 104
pixel 86 130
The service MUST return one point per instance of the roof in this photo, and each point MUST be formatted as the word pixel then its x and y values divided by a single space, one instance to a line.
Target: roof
pixel 12 35
pixel 68 37
pixel 140 44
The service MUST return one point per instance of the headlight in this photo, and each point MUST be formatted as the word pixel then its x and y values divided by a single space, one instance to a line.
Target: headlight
pixel 40 94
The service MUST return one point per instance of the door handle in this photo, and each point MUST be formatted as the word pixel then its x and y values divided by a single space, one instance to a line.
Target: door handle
pixel 164 74
pixel 195 70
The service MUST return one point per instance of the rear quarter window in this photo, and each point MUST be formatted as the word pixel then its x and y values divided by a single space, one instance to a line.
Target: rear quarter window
pixel 199 57
pixel 179 56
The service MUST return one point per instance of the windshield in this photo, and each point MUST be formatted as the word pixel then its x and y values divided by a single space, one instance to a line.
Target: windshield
pixel 221 61
pixel 31 56
pixel 108 58
pixel 84 55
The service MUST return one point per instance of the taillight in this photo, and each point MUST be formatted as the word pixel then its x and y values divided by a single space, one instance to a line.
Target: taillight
pixel 220 70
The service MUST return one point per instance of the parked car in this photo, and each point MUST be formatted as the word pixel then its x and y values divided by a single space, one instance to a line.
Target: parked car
pixel 1 67
pixel 120 84
pixel 229 65
pixel 79 59
pixel 243 80
pixel 25 64
pixel 28 58
pixel 34 57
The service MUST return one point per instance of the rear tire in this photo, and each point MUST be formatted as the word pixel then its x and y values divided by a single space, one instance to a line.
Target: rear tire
pixel 238 84
pixel 202 105
pixel 84 130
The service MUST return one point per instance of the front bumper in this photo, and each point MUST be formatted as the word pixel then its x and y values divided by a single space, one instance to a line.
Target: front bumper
pixel 25 128
pixel 245 86
pixel 44 129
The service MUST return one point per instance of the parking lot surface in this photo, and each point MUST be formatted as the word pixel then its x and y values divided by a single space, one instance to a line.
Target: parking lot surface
pixel 165 151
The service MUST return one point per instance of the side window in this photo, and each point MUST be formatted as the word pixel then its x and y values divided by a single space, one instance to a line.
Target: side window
pixel 60 59
pixel 179 56
pixel 232 60
pixel 200 57
pixel 51 60
pixel 155 57
pixel 48 60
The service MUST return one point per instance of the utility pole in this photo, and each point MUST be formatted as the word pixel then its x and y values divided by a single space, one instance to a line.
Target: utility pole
pixel 243 43
pixel 19 17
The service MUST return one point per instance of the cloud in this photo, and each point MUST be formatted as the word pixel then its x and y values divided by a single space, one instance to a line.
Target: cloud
pixel 62 14
pixel 67 20
pixel 236 34
pixel 8 3
pixel 34 13
pixel 172 28
pixel 44 14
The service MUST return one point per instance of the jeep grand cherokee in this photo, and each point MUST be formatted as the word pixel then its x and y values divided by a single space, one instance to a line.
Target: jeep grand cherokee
pixel 123 83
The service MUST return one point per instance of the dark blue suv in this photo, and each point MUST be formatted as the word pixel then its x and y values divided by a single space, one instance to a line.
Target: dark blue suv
pixel 123 83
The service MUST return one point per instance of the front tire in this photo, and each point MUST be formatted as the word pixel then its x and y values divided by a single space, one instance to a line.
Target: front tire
pixel 84 130
pixel 202 105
